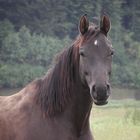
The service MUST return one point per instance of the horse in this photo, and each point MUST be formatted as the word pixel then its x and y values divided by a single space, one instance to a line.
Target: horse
pixel 57 106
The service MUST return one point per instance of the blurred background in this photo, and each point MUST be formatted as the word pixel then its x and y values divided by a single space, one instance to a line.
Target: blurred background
pixel 33 31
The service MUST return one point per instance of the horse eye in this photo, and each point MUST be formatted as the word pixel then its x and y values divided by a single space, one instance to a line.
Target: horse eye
pixel 112 53
pixel 109 73
pixel 82 54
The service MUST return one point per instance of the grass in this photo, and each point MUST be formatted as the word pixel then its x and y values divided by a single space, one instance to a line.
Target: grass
pixel 119 120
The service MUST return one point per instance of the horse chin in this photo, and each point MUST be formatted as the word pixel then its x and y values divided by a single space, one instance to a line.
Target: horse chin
pixel 100 103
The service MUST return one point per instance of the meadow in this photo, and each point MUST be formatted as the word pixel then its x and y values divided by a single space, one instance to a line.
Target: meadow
pixel 119 120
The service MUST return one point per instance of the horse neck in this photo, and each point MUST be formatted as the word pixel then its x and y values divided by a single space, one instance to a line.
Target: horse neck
pixel 82 104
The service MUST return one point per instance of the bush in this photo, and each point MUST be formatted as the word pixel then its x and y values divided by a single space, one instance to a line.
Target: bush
pixel 19 74
pixel 30 54
pixel 24 56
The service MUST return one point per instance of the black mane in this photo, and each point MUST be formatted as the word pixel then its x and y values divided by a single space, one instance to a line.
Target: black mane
pixel 56 88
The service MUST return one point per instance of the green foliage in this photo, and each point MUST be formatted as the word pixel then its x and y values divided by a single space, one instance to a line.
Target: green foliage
pixel 25 56
pixel 18 75
pixel 131 20
pixel 33 31
pixel 127 62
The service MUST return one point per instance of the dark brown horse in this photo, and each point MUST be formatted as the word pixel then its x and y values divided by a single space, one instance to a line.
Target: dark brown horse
pixel 57 107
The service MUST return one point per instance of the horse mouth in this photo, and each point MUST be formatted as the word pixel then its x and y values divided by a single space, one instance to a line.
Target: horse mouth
pixel 100 103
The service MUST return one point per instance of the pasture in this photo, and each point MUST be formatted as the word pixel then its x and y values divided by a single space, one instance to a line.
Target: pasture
pixel 119 120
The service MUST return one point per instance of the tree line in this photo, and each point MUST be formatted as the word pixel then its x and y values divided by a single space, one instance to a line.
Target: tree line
pixel 33 31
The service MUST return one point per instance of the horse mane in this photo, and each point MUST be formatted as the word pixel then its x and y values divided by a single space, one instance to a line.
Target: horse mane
pixel 54 90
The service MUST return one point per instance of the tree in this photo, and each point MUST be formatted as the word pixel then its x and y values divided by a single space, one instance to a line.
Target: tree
pixel 131 16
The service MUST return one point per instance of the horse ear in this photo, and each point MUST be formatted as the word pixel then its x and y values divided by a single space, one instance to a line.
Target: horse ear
pixel 105 24
pixel 83 25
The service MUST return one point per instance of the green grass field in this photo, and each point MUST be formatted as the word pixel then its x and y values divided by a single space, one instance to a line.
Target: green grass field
pixel 119 120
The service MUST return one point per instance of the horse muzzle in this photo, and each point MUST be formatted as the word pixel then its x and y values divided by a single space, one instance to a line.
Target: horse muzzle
pixel 100 94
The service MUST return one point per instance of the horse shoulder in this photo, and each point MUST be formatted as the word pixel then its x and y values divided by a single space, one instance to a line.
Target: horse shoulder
pixel 7 104
pixel 15 113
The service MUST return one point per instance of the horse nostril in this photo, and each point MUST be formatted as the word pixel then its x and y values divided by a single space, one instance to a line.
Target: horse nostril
pixel 94 91
pixel 108 87
pixel 93 88
pixel 108 90
pixel 86 73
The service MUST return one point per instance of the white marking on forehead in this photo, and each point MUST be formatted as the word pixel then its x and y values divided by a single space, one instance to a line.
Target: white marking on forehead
pixel 95 42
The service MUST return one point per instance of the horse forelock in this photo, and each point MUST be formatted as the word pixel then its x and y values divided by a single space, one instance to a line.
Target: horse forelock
pixel 93 31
